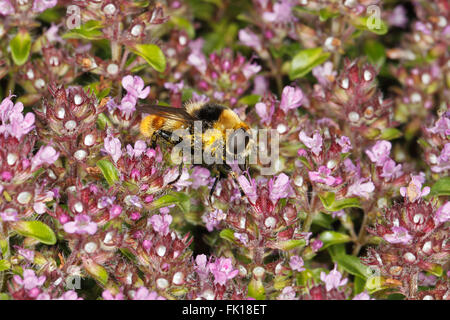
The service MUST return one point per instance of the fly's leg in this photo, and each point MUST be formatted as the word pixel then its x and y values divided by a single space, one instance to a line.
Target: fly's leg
pixel 180 171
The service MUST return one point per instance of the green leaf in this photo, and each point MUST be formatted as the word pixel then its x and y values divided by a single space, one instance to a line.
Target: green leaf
pixel 181 199
pixel 376 52
pixel 4 265
pixel 359 285
pixel 95 270
pixel 250 99
pixel 20 47
pixel 323 220
pixel 36 230
pixel 227 234
pixel 256 290
pixel 441 187
pixel 290 244
pixel 369 24
pixel 345 203
pixel 103 120
pixel 327 199
pixel 89 30
pixel 325 14
pixel 435 269
pixel 183 24
pixel 152 54
pixel 109 171
pixel 390 134
pixel 330 238
pixel 305 61
pixel 4 296
pixel 353 265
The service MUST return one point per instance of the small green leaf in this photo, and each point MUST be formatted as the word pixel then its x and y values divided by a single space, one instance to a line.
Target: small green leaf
pixel 95 270
pixel 441 187
pixel 89 30
pixel 327 199
pixel 359 285
pixel 152 54
pixel 290 244
pixel 325 14
pixel 250 99
pixel 20 47
pixel 330 238
pixel 36 230
pixel 181 199
pixel 353 265
pixel 371 24
pixel 436 270
pixel 4 296
pixel 109 171
pixel 4 265
pixel 183 24
pixel 345 203
pixel 323 220
pixel 376 52
pixel 227 234
pixel 256 290
pixel 304 61
pixel 103 121
pixel 390 134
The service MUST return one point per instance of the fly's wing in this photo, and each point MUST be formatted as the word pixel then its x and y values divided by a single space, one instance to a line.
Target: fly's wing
pixel 178 114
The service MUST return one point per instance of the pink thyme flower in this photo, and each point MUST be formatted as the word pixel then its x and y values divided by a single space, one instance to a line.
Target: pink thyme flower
pixel 361 189
pixel 213 219
pixel 161 223
pixel 333 279
pixel 324 73
pixel 296 263
pixel 250 69
pixel 113 147
pixel 441 127
pixel 115 211
pixel 27 254
pixel 198 60
pixel 201 266
pixel 399 235
pixel 345 143
pixel 174 87
pixel 108 295
pixel 200 177
pixel 82 224
pixel 127 106
pixel 222 269
pixel 414 190
pixel 264 112
pixel 426 281
pixel 316 245
pixel 143 294
pixel 139 148
pixel 380 152
pixel 14 123
pixel 443 161
pixel 6 8
pixel 45 155
pixel 281 12
pixel 42 5
pixel 362 296
pixel 242 237
pixel 323 175
pixel 70 295
pixel 398 17
pixel 288 293
pixel 249 188
pixel 29 280
pixel 442 215
pixel 291 98
pixel 260 85
pixel 314 143
pixel 391 170
pixel 279 188
pixel 135 86
pixel 9 215
pixel 250 39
